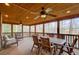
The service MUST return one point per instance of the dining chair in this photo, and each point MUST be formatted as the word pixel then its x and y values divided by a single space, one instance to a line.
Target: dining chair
pixel 70 48
pixel 36 43
pixel 46 45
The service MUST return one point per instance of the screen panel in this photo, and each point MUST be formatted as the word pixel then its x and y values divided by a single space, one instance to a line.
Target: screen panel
pixel 39 28
pixel 6 27
pixel 17 28
pixel 51 27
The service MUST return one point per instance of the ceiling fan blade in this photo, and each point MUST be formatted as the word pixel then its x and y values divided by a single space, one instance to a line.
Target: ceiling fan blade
pixel 48 10
pixel 53 15
pixel 36 17
pixel 34 12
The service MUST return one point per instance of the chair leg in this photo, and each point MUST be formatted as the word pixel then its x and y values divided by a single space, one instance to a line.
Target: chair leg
pixel 68 49
pixel 69 53
pixel 73 52
pixel 61 50
pixel 39 48
pixel 54 50
pixel 51 52
pixel 17 43
pixel 32 48
pixel 5 45
pixel 38 51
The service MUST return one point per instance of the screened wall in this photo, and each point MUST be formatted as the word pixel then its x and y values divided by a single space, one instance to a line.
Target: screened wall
pixel 17 28
pixel 25 28
pixel 39 28
pixel 51 27
pixel 6 28
pixel 32 29
pixel 25 31
pixel 70 26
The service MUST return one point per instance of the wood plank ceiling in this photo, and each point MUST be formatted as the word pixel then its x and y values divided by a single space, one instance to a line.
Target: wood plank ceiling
pixel 25 12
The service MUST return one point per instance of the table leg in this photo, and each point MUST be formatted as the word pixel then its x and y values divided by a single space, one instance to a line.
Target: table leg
pixel 55 49
pixel 61 49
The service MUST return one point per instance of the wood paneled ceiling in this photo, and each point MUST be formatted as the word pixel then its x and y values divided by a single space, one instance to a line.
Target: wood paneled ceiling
pixel 25 12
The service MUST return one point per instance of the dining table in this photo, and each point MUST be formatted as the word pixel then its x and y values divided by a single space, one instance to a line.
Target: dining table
pixel 56 42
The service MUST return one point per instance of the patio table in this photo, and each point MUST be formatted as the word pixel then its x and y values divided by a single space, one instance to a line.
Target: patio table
pixel 58 42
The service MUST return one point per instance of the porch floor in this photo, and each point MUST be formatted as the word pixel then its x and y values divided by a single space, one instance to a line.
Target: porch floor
pixel 24 48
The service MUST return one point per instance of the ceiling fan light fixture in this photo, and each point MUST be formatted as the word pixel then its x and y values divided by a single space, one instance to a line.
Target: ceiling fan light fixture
pixel 43 16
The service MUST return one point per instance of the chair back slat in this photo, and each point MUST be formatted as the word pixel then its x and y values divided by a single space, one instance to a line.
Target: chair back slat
pixel 45 42
pixel 35 39
pixel 5 37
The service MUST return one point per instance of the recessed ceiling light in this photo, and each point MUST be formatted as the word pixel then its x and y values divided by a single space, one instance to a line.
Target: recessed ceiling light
pixel 7 4
pixel 68 11
pixel 6 16
pixel 27 17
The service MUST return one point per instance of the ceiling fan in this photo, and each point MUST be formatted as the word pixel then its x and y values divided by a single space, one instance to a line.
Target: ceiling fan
pixel 44 12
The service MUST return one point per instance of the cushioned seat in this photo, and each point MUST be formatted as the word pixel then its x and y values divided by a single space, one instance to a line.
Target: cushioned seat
pixel 9 40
